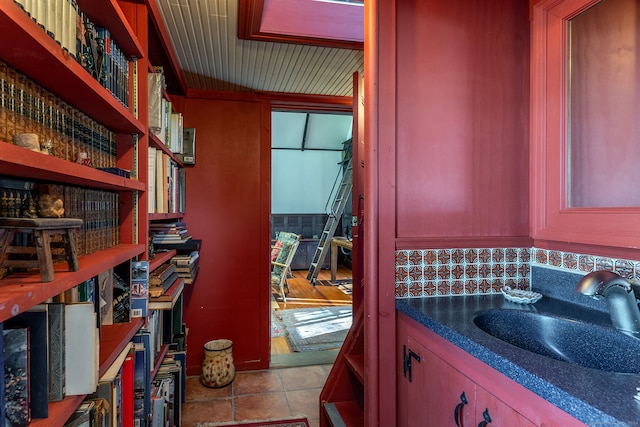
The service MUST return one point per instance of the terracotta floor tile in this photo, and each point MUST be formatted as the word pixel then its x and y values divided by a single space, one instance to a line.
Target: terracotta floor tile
pixel 207 410
pixel 253 382
pixel 264 406
pixel 196 391
pixel 304 402
pixel 302 378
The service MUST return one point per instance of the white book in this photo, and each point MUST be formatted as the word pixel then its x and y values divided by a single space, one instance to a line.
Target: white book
pixel 151 178
pixel 160 182
pixel 59 21
pixel 82 343
pixel 50 23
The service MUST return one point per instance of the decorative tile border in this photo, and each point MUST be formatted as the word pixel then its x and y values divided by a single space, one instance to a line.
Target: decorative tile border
pixel 457 271
pixel 583 263
pixel 439 272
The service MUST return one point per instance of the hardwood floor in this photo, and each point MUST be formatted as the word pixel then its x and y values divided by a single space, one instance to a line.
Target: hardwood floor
pixel 304 295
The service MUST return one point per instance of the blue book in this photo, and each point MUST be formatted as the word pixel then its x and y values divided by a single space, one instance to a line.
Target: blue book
pixel 16 376
pixel 142 376
pixel 35 319
pixel 140 289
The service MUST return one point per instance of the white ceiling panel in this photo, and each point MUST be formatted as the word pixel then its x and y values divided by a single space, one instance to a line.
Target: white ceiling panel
pixel 204 36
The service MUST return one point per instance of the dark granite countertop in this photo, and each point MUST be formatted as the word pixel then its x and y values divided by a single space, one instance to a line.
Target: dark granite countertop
pixel 594 397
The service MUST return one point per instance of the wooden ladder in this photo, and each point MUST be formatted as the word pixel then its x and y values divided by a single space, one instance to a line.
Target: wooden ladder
pixel 342 397
pixel 337 208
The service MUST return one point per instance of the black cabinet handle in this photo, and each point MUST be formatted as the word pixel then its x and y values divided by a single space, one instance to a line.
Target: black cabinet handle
pixel 457 413
pixel 407 361
pixel 487 418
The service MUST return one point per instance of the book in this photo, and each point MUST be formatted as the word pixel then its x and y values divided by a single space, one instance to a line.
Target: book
pixel 81 335
pixel 151 184
pixel 105 297
pixel 16 376
pixel 56 352
pixel 121 298
pixel 142 376
pixel 108 386
pixel 83 415
pixel 139 289
pixel 128 368
pixel 35 319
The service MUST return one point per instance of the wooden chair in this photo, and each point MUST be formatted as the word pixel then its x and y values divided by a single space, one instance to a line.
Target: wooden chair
pixel 282 254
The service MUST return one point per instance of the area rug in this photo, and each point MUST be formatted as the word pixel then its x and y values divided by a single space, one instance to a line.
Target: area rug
pixel 316 329
pixel 277 328
pixel 298 422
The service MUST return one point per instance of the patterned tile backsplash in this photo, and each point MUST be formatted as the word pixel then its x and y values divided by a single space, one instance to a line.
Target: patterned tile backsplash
pixel 440 272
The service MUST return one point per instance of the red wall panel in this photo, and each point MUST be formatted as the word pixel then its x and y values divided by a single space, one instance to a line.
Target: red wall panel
pixel 462 118
pixel 227 194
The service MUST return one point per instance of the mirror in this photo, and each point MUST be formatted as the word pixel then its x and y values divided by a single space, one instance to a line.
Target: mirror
pixel 603 129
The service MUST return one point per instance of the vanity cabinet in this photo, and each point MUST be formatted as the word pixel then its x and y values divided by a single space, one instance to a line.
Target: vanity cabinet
pixel 441 385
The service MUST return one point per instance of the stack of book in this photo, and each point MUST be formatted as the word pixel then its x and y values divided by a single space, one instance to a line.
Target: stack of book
pixel 187 265
pixel 161 279
pixel 168 233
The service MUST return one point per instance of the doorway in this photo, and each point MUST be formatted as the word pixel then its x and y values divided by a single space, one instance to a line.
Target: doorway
pixel 308 152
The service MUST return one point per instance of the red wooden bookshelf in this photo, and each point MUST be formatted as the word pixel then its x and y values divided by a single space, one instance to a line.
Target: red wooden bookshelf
pixel 20 291
pixel 161 258
pixel 20 162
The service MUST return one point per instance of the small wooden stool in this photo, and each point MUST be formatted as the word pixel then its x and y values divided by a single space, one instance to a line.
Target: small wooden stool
pixel 42 229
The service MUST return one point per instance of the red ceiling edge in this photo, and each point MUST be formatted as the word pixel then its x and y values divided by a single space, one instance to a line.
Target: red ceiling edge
pixel 250 17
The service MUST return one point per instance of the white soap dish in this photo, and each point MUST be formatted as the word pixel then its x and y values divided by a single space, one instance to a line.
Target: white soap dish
pixel 519 296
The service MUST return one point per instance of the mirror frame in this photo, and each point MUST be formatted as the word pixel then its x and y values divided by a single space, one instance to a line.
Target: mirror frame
pixel 551 219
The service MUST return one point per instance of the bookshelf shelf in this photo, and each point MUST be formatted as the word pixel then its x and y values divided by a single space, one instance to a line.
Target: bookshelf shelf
pixel 156 143
pixel 20 291
pixel 108 14
pixel 59 412
pixel 20 162
pixel 162 216
pixel 113 339
pixel 26 47
pixel 161 258
pixel 159 357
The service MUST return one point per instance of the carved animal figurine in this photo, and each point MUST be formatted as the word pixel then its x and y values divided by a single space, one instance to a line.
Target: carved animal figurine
pixel 50 206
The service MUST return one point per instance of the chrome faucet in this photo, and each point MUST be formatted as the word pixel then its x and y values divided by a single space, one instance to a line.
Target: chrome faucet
pixel 621 300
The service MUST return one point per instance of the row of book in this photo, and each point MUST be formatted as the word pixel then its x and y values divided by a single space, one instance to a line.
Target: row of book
pixel 26 107
pixel 90 45
pixel 39 368
pixel 50 351
pixel 166 184
pixel 98 209
pixel 164 122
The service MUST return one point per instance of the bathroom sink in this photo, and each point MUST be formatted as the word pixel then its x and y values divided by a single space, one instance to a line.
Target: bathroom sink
pixel 582 343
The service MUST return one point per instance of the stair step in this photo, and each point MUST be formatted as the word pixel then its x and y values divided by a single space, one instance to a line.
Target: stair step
pixel 355 362
pixel 344 414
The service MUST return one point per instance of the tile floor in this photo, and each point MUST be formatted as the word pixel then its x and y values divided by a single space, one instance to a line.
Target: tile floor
pixel 257 396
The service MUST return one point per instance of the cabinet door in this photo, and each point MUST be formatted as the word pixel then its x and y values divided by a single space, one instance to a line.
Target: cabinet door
pixel 437 392
pixel 498 412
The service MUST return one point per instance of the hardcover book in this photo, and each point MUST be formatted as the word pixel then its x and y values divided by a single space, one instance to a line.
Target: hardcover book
pixel 16 376
pixel 56 352
pixel 81 335
pixel 35 319
pixel 140 289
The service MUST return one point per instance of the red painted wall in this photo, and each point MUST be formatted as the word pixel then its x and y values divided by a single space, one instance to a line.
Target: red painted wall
pixel 227 207
pixel 462 118
pixel 447 113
